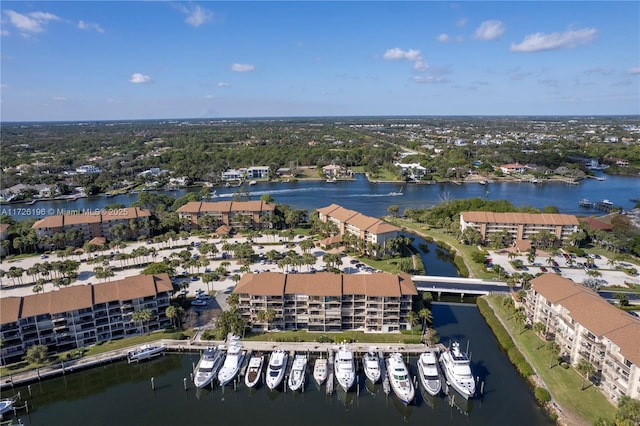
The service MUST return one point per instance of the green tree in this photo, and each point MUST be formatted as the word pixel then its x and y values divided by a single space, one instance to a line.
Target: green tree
pixel 143 317
pixel 36 354
pixel 628 413
pixel 554 351
pixel 174 312
pixel 586 369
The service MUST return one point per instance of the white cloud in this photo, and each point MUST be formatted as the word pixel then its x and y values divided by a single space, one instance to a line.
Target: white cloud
pixel 420 66
pixel 209 96
pixel 242 67
pixel 3 86
pixel 444 38
pixel 90 26
pixel 196 15
pixel 223 84
pixel 139 78
pixel 60 99
pixel 421 79
pixel 396 54
pixel 4 32
pixel 567 40
pixel 489 30
pixel 634 70
pixel 461 22
pixel 33 22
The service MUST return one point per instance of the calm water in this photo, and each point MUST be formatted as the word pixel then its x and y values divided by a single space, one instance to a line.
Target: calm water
pixel 373 199
pixel 120 394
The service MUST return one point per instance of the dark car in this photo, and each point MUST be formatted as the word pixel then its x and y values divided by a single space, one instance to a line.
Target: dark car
pixel 543 269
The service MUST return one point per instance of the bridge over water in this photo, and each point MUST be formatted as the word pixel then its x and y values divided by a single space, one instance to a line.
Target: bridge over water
pixel 458 285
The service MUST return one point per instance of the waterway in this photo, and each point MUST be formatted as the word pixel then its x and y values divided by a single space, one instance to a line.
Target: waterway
pixel 121 393
pixel 373 198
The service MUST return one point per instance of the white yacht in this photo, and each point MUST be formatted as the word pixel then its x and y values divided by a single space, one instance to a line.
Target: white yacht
pixel 254 370
pixel 232 362
pixel 345 367
pixel 428 372
pixel 320 371
pixel 208 366
pixel 276 368
pixel 298 370
pixel 400 378
pixel 145 352
pixel 457 369
pixel 371 365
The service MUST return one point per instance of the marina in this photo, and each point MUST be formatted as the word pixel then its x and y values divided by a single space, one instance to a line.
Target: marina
pixel 158 387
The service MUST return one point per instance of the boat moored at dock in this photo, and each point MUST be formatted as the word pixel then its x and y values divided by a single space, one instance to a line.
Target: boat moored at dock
pixel 457 369
pixel 320 371
pixel 345 367
pixel 297 374
pixel 276 368
pixel 207 367
pixel 254 370
pixel 371 365
pixel 400 378
pixel 428 373
pixel 232 361
pixel 145 352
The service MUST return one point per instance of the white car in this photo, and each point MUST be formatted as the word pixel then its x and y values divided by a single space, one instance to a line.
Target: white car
pixel 199 302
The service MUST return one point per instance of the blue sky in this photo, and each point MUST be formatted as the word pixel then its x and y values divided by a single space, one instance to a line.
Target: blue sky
pixel 134 60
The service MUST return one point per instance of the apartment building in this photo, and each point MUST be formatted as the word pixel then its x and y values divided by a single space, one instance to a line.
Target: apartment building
pixel 239 214
pixel 586 326
pixel 96 223
pixel 327 302
pixel 364 227
pixel 4 235
pixel 520 225
pixel 82 315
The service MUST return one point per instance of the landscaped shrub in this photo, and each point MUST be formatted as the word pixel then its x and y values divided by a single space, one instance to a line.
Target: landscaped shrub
pixel 324 339
pixel 178 335
pixel 542 395
pixel 412 340
pixel 564 365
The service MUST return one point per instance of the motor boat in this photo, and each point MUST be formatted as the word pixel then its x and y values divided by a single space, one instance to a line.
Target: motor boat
pixel 276 368
pixel 6 405
pixel 400 379
pixel 428 373
pixel 345 367
pixel 320 371
pixel 208 366
pixel 254 370
pixel 297 374
pixel 232 362
pixel 371 364
pixel 457 369
pixel 145 352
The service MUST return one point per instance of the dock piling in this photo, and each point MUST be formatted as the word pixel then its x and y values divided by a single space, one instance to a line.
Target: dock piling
pixel 153 385
pixel 184 382
pixel 29 388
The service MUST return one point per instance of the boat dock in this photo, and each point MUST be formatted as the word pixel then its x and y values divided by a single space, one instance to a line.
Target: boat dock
pixel 330 373
pixel 386 386
pixel 196 347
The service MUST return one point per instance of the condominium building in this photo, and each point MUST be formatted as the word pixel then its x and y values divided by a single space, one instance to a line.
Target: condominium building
pixel 586 326
pixel 326 302
pixel 239 214
pixel 96 223
pixel 519 225
pixel 82 315
pixel 364 227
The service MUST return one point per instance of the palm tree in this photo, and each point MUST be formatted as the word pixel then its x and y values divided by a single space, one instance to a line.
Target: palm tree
pixel 266 316
pixel 143 316
pixel 520 318
pixel 586 369
pixel 174 312
pixel 541 329
pixel 412 319
pixel 554 350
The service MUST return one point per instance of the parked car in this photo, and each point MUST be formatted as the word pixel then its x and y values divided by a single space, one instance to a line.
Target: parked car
pixel 198 302
pixel 543 269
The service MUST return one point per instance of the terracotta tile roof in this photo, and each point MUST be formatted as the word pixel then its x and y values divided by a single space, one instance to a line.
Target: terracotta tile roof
pixel 82 296
pixel 359 220
pixel 4 227
pixel 318 284
pixel 98 241
pixel 362 222
pixel 627 338
pixel 226 206
pixel 325 284
pixel 596 224
pixel 555 288
pixel 522 245
pixel 10 309
pixel 330 240
pixel 520 218
pixel 382 227
pixel 131 288
pixel 593 313
pixel 342 214
pixel 327 210
pixel 59 221
pixel 262 284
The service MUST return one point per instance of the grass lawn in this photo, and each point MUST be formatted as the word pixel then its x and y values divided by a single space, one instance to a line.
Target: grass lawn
pixel 93 350
pixel 349 336
pixel 564 384
pixel 476 270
